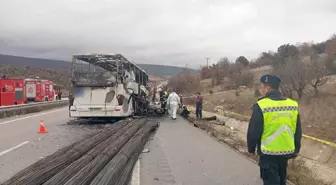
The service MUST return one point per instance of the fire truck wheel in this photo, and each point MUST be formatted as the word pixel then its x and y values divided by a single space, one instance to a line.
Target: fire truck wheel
pixel 45 99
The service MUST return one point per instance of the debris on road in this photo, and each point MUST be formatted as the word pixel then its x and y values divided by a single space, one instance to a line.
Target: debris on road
pixel 211 118
pixel 145 150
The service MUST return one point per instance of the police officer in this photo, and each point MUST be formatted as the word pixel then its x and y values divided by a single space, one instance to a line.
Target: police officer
pixel 275 130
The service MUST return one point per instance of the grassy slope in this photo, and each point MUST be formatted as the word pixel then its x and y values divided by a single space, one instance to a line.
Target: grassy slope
pixel 317 113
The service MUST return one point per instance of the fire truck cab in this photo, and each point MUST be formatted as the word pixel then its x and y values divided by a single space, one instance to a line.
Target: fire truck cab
pixel 11 92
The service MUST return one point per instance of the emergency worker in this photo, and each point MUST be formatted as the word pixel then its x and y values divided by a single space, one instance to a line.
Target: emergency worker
pixel 71 99
pixel 185 111
pixel 162 99
pixel 165 97
pixel 161 93
pixel 59 95
pixel 275 130
pixel 173 102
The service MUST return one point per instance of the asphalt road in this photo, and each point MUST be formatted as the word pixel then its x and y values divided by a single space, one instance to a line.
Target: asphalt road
pixel 182 154
pixel 21 145
pixel 179 153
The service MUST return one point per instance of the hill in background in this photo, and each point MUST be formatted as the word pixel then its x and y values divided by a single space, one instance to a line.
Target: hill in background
pixel 152 69
pixel 59 76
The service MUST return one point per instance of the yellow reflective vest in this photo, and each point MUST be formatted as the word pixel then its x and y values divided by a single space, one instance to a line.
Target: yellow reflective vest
pixel 280 119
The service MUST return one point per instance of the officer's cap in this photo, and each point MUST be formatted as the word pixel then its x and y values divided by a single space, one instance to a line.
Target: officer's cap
pixel 270 79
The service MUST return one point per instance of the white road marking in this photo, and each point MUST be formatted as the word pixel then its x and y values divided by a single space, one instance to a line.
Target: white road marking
pixel 31 116
pixel 136 174
pixel 13 148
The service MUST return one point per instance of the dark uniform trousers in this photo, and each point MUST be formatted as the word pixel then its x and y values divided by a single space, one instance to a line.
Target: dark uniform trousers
pixel 273 170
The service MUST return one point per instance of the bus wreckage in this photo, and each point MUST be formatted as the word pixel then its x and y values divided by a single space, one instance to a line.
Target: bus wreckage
pixel 108 86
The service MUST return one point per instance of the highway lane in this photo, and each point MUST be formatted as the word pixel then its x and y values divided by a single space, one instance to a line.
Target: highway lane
pixel 179 153
pixel 21 145
pixel 182 154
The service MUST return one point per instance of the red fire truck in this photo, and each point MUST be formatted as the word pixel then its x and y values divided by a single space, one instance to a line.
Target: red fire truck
pixel 19 91
pixel 12 92
pixel 38 90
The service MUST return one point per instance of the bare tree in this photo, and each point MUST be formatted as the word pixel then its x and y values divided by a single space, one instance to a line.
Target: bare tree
pixel 205 73
pixel 331 51
pixel 243 78
pixel 242 60
pixel 184 82
pixel 317 64
pixel 319 72
pixel 295 74
pixel 223 62
pixel 286 83
pixel 300 75
pixel 216 76
pixel 306 49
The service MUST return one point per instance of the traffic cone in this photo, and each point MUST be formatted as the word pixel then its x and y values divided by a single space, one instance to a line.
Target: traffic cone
pixel 42 128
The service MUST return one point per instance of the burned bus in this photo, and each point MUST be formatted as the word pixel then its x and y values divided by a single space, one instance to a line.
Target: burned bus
pixel 107 86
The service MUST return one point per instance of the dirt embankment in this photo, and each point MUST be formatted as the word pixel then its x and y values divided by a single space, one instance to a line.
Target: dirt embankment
pixel 317 113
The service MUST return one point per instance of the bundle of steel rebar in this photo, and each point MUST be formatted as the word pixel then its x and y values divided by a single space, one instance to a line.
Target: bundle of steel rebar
pixel 109 175
pixel 85 161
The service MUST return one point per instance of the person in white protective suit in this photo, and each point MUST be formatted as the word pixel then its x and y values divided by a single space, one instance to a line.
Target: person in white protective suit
pixel 173 103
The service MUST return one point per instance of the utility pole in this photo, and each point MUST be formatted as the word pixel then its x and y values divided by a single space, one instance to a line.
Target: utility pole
pixel 207 59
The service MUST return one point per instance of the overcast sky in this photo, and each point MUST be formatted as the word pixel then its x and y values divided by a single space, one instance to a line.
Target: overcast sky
pixel 172 32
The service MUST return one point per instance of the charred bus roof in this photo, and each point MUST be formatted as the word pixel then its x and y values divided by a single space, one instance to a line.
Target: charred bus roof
pixel 109 62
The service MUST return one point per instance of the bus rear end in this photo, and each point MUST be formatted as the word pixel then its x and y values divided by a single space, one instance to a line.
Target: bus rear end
pixel 98 92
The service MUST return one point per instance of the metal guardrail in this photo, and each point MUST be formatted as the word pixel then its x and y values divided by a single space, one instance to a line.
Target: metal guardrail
pixel 31 105
pixel 16 110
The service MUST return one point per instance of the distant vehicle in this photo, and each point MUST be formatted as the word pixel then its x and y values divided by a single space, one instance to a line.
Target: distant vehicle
pixel 12 92
pixel 38 90
pixel 107 86
pixel 15 91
